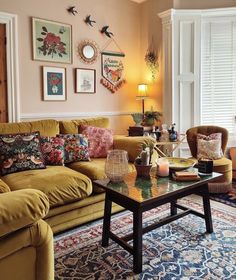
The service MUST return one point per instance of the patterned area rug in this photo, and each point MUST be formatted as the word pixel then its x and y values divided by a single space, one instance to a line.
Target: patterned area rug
pixel 180 250
pixel 227 198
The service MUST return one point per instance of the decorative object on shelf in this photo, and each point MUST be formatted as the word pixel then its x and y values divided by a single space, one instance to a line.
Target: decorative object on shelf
pixel 162 167
pixel 173 135
pixel 112 70
pixel 143 161
pixel 137 118
pixel 142 94
pixel 164 133
pixel 54 83
pixel 72 10
pixel 89 21
pixel 116 166
pixel 88 51
pixel 151 59
pixel 85 80
pixel 105 31
pixel 51 41
pixel 150 117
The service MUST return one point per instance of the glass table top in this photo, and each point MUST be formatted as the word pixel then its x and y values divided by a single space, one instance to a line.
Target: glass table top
pixel 141 189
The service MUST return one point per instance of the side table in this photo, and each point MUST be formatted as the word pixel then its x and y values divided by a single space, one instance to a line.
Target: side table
pixel 173 146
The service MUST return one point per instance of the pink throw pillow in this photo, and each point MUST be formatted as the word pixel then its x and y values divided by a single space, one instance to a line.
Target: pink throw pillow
pixel 209 146
pixel 100 140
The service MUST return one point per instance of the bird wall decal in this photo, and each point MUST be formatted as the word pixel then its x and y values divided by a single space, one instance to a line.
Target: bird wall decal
pixel 89 21
pixel 106 32
pixel 72 10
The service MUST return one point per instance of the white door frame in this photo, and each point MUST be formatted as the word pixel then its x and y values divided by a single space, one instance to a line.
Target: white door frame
pixel 13 89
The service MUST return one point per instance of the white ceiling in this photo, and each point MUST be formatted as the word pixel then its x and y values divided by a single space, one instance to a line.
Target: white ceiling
pixel 138 1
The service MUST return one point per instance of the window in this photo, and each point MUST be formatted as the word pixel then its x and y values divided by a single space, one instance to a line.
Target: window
pixel 218 72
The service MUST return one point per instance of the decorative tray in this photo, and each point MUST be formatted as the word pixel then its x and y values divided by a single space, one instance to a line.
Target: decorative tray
pixel 180 163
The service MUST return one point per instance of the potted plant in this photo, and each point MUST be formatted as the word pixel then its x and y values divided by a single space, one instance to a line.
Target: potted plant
pixel 143 161
pixel 150 117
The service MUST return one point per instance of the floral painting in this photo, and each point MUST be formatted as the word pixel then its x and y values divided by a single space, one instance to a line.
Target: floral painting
pixel 51 41
pixel 54 83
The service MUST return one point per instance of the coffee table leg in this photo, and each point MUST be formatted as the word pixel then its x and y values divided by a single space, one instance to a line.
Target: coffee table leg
pixel 207 209
pixel 173 209
pixel 137 241
pixel 106 222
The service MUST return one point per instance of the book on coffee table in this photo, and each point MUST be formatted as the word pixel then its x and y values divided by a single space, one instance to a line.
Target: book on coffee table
pixel 186 176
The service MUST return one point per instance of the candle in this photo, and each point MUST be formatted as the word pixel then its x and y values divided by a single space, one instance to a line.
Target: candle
pixel 162 167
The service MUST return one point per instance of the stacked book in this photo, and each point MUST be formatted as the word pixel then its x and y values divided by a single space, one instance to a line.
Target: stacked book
pixel 186 176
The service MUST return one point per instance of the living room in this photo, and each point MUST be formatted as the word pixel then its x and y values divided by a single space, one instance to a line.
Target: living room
pixel 92 36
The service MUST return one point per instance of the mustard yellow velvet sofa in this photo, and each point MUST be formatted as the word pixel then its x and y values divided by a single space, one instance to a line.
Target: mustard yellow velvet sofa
pixel 73 198
pixel 26 241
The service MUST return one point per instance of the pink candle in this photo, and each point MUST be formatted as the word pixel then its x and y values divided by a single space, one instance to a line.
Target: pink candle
pixel 162 167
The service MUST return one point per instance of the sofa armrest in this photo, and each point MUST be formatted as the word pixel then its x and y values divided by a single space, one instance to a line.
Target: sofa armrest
pixel 21 208
pixel 133 145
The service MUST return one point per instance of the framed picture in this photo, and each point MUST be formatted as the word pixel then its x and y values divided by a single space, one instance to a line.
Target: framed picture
pixel 85 80
pixel 51 41
pixel 54 83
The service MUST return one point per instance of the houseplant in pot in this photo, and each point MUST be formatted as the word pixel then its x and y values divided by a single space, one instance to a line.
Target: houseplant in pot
pixel 143 161
pixel 150 117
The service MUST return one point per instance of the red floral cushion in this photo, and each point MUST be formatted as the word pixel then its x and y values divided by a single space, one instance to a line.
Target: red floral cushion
pixel 53 150
pixel 19 152
pixel 100 140
pixel 75 147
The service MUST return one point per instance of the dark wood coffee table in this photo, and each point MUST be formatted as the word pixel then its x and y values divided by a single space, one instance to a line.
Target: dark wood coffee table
pixel 142 194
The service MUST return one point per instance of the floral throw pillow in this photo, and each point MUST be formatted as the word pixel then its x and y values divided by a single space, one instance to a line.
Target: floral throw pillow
pixel 19 152
pixel 100 140
pixel 75 147
pixel 209 146
pixel 53 150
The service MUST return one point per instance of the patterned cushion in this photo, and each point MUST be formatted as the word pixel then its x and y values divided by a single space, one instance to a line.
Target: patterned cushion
pixel 19 152
pixel 53 150
pixel 75 147
pixel 209 146
pixel 100 140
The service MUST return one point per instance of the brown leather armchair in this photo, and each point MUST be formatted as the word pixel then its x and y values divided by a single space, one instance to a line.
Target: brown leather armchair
pixel 222 165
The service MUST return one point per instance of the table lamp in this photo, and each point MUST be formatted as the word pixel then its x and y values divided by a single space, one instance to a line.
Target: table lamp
pixel 142 94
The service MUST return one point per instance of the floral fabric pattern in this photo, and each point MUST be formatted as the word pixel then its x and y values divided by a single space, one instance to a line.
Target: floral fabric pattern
pixel 209 147
pixel 53 150
pixel 75 147
pixel 100 140
pixel 19 152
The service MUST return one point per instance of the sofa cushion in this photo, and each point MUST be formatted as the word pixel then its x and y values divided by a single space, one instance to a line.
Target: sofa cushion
pixel 209 146
pixel 20 152
pixel 4 187
pixel 61 184
pixel 100 140
pixel 53 150
pixel 71 127
pixel 45 127
pixel 94 169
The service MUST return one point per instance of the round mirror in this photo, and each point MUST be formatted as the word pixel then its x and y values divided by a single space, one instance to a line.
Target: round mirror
pixel 88 51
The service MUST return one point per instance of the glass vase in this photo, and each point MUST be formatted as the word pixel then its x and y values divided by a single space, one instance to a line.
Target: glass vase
pixel 116 166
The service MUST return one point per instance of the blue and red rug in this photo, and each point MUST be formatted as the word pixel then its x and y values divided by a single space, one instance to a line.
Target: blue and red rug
pixel 227 198
pixel 179 250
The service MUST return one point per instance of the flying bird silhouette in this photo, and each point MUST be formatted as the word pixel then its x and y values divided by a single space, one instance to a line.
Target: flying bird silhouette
pixel 89 21
pixel 106 32
pixel 72 10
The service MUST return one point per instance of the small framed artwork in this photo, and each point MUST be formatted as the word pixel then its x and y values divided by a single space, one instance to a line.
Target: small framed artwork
pixel 85 80
pixel 54 83
pixel 51 41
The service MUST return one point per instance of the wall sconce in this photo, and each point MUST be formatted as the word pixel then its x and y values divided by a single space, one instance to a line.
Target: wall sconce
pixel 142 94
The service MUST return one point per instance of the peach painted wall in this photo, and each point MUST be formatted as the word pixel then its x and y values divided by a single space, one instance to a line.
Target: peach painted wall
pixel 122 16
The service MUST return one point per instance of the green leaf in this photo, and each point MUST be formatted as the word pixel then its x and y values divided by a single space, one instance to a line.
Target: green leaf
pixel 43 33
pixel 60 55
pixel 40 39
pixel 44 29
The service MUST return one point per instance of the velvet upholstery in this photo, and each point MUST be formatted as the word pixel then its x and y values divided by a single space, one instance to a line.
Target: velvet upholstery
pixel 222 165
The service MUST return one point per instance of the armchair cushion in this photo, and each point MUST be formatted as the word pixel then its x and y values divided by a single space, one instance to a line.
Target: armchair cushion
pixel 133 145
pixel 21 208
pixel 4 187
